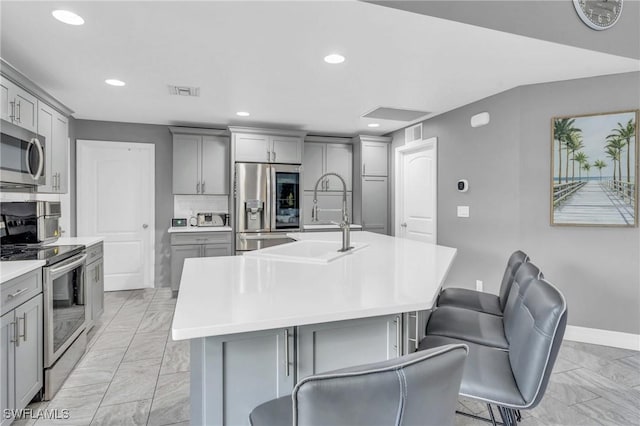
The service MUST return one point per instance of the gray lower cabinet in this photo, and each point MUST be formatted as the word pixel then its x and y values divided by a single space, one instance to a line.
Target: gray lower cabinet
pixel 334 345
pixel 22 355
pixel 185 245
pixel 94 281
pixel 232 374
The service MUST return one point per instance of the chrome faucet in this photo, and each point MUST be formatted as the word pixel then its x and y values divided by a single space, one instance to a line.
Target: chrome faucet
pixel 344 225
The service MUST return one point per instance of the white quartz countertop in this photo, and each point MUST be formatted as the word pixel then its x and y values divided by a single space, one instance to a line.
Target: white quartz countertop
pixel 176 229
pixel 13 269
pixel 324 226
pixel 237 294
pixel 72 241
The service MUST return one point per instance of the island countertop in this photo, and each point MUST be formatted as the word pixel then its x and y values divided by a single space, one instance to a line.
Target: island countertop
pixel 237 294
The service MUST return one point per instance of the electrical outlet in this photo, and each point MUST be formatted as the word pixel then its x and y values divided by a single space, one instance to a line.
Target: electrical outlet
pixel 479 285
pixel 463 211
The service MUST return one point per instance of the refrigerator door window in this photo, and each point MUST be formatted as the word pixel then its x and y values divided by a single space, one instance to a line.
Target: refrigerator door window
pixel 287 200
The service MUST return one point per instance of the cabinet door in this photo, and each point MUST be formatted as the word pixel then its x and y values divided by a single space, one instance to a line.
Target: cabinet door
pixel 215 250
pixel 60 152
pixel 239 372
pixel 252 148
pixel 215 165
pixel 332 202
pixel 186 164
pixel 374 204
pixel 7 367
pixel 26 109
pixel 375 158
pixel 97 293
pixel 5 107
pixel 29 350
pixel 340 161
pixel 45 128
pixel 286 149
pixel 335 345
pixel 178 255
pixel 313 164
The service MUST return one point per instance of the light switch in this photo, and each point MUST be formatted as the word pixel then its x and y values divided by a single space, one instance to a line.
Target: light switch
pixel 463 211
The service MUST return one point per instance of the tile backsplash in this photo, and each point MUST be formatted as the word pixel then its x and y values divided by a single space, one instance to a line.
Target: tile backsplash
pixel 187 205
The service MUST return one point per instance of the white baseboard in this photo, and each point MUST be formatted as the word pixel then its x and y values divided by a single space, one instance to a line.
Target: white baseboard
pixel 603 337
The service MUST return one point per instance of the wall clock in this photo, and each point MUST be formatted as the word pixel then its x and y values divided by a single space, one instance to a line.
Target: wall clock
pixel 599 15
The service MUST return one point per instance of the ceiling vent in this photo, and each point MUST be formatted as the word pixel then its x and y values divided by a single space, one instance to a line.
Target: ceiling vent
pixel 413 133
pixel 184 91
pixel 395 114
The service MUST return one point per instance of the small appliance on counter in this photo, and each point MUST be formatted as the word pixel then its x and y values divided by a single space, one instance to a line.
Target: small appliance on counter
pixel 211 219
pixel 178 222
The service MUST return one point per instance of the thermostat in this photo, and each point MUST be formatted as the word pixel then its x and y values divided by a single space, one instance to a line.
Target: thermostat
pixel 463 185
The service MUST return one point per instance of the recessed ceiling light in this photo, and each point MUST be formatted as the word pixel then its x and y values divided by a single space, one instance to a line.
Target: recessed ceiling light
pixel 67 17
pixel 243 113
pixel 114 82
pixel 373 125
pixel 334 58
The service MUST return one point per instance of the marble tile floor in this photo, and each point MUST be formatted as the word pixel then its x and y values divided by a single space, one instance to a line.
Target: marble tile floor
pixel 134 374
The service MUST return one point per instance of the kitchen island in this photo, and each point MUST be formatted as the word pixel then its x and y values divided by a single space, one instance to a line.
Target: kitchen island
pixel 258 325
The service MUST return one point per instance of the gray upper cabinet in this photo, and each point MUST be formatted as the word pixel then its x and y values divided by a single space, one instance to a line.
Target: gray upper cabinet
pixel 55 129
pixel 18 106
pixel 371 183
pixel 321 158
pixel 254 145
pixel 375 158
pixel 200 161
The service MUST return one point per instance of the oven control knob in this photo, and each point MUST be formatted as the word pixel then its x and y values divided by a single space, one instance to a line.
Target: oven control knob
pixel 145 226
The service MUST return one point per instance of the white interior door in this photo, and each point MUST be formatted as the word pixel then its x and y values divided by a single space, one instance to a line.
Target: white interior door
pixel 416 191
pixel 115 190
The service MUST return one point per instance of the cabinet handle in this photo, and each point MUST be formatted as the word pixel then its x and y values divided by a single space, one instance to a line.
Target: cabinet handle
pixel 24 328
pixel 18 114
pixel 274 155
pixel 203 187
pixel 364 168
pixel 286 351
pixel 198 187
pixel 268 156
pixel 15 339
pixel 327 184
pixel 13 110
pixel 398 336
pixel 17 293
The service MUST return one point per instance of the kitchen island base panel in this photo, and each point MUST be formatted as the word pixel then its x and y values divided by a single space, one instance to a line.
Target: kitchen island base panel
pixel 232 374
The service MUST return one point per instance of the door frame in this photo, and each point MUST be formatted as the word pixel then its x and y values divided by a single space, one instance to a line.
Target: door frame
pixel 401 151
pixel 151 151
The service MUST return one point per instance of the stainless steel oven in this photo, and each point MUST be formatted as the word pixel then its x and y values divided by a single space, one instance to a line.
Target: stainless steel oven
pixel 65 314
pixel 21 156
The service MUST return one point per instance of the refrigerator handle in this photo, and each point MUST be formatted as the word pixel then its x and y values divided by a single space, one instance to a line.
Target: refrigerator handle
pixel 273 201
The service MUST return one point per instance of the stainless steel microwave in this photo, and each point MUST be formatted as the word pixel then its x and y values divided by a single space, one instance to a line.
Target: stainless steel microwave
pixel 21 156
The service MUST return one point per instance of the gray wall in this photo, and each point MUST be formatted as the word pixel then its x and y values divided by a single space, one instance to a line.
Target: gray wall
pixel 508 166
pixel 554 20
pixel 143 133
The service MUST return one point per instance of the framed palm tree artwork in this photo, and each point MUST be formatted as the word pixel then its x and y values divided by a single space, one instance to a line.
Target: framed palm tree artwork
pixel 594 169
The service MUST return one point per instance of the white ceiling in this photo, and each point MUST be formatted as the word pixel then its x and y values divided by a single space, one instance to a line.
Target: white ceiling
pixel 266 58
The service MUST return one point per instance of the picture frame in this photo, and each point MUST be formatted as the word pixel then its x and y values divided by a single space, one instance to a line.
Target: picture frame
pixel 594 169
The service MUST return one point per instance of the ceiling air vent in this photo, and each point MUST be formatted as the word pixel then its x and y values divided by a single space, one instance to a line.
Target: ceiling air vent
pixel 184 91
pixel 413 133
pixel 395 114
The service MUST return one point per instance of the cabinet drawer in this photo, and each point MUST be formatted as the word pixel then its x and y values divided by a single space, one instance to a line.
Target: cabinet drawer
pixel 95 252
pixel 19 290
pixel 201 238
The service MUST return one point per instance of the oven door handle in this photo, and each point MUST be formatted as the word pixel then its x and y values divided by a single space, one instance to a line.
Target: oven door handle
pixel 66 267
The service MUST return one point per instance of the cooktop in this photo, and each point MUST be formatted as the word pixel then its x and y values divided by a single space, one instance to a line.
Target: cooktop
pixel 50 254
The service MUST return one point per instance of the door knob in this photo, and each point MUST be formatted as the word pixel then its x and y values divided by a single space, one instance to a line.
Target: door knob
pixel 145 226
pixel 403 224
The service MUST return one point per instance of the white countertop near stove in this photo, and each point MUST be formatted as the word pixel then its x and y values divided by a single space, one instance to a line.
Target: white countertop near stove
pixel 13 269
pixel 176 229
pixel 237 294
pixel 72 241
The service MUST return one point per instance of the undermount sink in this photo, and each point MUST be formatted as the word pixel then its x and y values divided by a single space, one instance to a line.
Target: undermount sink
pixel 308 251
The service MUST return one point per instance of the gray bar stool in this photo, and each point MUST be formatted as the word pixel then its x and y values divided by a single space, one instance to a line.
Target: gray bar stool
pixel 417 389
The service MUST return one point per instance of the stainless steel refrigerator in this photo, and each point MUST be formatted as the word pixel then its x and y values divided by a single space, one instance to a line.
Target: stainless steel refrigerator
pixel 267 204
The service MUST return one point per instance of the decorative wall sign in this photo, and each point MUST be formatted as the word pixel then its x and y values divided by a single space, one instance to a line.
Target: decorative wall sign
pixel 594 169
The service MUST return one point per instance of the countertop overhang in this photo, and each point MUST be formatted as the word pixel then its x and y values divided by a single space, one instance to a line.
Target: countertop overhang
pixel 237 294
